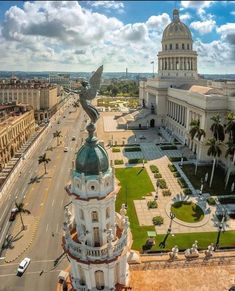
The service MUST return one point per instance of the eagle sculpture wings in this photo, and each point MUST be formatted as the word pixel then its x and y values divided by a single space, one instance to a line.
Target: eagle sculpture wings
pixel 88 92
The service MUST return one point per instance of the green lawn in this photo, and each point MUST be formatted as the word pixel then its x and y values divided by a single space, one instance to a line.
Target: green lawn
pixel 187 211
pixel 135 183
pixel 218 180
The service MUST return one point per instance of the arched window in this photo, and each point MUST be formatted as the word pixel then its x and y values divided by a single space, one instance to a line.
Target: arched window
pixel 176 46
pixel 94 216
pixel 170 46
pixel 188 46
pixel 99 280
pixel 107 212
pixel 81 214
pixel 182 46
pixel 166 47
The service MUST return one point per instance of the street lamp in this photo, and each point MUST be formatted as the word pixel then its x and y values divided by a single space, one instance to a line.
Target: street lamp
pixel 201 187
pixel 172 216
pixel 221 227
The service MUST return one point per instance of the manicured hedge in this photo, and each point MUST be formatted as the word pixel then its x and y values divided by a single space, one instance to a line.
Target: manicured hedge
pixel 172 167
pixel 170 147
pixel 157 176
pixel 118 162
pixel 187 191
pixel 154 169
pixel 116 150
pixel 176 174
pixel 152 204
pixel 182 183
pixel 211 201
pixel 136 161
pixel 158 220
pixel 166 192
pixel 162 183
pixel 135 149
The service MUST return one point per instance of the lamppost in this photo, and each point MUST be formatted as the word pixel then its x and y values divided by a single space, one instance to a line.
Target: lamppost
pixel 172 216
pixel 201 187
pixel 221 227
pixel 157 185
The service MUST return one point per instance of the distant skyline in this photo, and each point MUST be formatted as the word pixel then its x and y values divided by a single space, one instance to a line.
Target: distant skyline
pixel 81 35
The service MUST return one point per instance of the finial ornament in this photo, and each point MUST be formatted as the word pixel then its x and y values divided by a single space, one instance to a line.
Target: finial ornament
pixel 87 93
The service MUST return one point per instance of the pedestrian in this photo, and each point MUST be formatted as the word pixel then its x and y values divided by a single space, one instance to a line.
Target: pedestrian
pixel 41 273
pixel 53 234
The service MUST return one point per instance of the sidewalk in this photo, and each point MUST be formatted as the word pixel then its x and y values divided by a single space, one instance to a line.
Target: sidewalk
pixel 21 239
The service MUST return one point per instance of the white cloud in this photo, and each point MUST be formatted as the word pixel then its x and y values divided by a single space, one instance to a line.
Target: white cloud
pixel 203 27
pixel 232 13
pixel 107 4
pixel 158 22
pixel 185 17
pixel 200 6
pixel 227 32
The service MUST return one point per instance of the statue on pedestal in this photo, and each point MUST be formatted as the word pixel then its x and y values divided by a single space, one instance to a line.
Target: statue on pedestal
pixel 209 251
pixel 174 252
pixel 192 252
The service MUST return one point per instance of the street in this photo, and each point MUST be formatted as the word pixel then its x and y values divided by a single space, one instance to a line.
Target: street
pixel 45 197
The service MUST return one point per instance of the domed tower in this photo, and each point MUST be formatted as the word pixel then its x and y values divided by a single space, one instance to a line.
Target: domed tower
pixel 177 58
pixel 96 237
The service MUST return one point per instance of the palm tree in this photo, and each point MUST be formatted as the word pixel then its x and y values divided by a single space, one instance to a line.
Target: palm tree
pixel 76 105
pixel 20 209
pixel 43 159
pixel 229 127
pixel 217 128
pixel 215 151
pixel 57 134
pixel 197 132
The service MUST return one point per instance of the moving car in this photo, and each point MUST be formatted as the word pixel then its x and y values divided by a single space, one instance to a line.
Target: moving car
pixel 23 265
pixel 73 138
pixel 66 149
pixel 13 214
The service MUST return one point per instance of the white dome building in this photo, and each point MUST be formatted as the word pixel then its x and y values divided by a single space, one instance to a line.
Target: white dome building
pixel 179 96
pixel 177 58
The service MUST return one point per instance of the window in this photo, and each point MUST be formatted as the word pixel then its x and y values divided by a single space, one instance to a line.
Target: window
pixel 170 46
pixel 107 212
pixel 187 46
pixel 94 216
pixel 165 47
pixel 99 280
pixel 176 46
pixel 182 46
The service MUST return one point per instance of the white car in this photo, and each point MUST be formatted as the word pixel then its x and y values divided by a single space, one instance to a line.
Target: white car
pixel 66 149
pixel 23 265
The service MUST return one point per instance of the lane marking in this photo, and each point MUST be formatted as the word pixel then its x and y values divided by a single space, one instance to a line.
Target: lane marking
pixel 57 227
pixel 3 212
pixel 52 202
pixel 3 232
pixel 47 228
pixel 61 204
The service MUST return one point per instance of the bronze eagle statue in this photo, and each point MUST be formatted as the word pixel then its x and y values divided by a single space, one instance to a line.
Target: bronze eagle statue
pixel 88 92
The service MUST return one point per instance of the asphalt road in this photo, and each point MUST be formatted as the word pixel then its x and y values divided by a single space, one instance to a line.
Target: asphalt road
pixel 45 198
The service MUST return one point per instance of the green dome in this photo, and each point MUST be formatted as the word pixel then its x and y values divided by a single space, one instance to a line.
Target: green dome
pixel 92 158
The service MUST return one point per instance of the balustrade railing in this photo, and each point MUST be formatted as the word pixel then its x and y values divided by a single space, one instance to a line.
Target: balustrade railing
pixel 106 251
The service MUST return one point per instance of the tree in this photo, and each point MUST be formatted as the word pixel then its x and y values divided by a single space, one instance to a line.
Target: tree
pixel 114 91
pixel 20 209
pixel 230 126
pixel 197 132
pixel 57 134
pixel 43 159
pixel 217 128
pixel 76 105
pixel 214 151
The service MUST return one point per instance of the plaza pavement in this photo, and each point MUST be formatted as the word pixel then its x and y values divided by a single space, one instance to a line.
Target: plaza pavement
pixel 158 157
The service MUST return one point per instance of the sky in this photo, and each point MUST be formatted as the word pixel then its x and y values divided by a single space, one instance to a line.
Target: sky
pixel 76 36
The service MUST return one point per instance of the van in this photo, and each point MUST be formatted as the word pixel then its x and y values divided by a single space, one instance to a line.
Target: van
pixel 66 149
pixel 62 277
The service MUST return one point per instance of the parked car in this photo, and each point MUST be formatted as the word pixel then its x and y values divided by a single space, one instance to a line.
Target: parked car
pixel 13 214
pixel 73 138
pixel 23 265
pixel 66 149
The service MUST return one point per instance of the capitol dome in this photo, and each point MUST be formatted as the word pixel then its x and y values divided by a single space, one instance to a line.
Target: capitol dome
pixel 92 158
pixel 176 29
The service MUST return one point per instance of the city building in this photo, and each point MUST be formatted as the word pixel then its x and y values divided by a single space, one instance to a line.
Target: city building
pixel 40 95
pixel 16 126
pixel 97 240
pixel 178 94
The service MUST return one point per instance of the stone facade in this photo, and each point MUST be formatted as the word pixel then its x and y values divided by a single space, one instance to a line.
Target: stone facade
pixel 14 132
pixel 180 96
